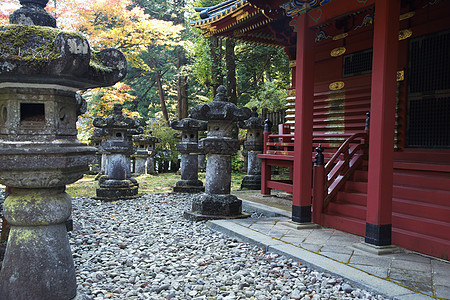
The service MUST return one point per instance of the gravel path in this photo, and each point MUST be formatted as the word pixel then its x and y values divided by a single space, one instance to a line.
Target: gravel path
pixel 145 249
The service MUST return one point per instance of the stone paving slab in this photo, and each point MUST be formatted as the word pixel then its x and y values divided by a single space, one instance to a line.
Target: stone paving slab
pixel 401 275
pixel 358 278
pixel 443 291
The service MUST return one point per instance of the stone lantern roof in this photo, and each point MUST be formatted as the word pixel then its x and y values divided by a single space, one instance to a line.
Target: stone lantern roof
pixel 145 139
pixel 117 121
pixel 255 137
pixel 254 122
pixel 35 51
pixel 189 124
pixel 189 138
pixel 220 109
pixel 41 3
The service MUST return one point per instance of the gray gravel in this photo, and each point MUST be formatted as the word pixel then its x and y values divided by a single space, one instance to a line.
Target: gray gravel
pixel 145 249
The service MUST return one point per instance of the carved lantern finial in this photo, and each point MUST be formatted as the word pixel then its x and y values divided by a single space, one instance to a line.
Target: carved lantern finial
pixel 32 12
pixel 221 94
pixel 41 3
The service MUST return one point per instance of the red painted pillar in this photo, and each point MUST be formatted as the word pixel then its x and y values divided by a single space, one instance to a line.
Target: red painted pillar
pixel 304 101
pixel 382 123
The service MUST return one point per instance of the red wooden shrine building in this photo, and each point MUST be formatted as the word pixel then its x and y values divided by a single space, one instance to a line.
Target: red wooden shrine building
pixel 389 181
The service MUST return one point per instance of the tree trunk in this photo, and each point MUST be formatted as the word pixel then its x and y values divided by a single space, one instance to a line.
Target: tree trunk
pixel 268 77
pixel 161 97
pixel 231 70
pixel 182 97
pixel 216 76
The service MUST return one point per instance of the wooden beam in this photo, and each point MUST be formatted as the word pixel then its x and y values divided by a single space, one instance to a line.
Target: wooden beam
pixel 335 9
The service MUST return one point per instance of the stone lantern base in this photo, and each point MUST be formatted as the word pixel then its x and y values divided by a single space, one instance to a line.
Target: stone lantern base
pixel 251 182
pixel 38 247
pixel 140 167
pixel 189 186
pixel 112 190
pixel 212 207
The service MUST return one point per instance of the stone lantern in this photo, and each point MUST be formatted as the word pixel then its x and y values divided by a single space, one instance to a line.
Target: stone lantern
pixel 94 141
pixel 254 146
pixel 145 148
pixel 118 131
pixel 41 69
pixel 152 150
pixel 201 161
pixel 245 155
pixel 219 145
pixel 188 148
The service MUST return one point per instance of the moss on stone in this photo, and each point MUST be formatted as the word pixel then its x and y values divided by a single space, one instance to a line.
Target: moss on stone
pixel 36 44
pixel 21 236
pixel 96 63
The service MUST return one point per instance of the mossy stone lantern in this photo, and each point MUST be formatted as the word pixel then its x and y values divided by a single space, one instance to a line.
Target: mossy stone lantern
pixel 41 69
pixel 219 145
pixel 145 149
pixel 117 130
pixel 254 145
pixel 95 141
pixel 152 150
pixel 188 148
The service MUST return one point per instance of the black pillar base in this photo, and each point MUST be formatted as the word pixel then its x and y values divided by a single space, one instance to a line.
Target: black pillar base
pixel 301 214
pixel 378 235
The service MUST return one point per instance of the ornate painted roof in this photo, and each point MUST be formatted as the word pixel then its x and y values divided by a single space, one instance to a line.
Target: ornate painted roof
pixel 244 21
pixel 297 7
pixel 270 22
pixel 225 15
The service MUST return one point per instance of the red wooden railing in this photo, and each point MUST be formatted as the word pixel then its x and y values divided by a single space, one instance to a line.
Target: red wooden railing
pixel 278 152
pixel 343 163
pixel 281 143
pixel 329 179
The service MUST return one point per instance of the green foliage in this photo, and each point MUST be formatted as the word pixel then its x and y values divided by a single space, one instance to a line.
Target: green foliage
pixel 236 180
pixel 163 10
pixel 85 127
pixel 261 72
pixel 206 3
pixel 168 141
pixel 199 52
pixel 269 96
pixel 237 162
pixel 147 101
